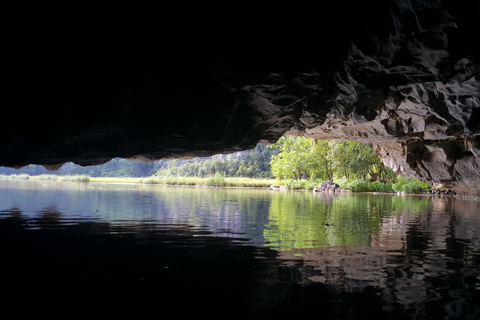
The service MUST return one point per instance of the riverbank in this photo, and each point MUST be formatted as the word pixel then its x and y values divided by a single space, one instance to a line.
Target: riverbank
pixel 408 185
pixel 213 181
pixel 403 184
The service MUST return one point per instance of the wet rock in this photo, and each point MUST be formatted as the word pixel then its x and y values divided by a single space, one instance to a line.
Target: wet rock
pixel 276 188
pixel 441 192
pixel 327 186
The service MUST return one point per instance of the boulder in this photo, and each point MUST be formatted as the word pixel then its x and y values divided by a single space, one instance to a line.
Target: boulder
pixel 276 188
pixel 327 186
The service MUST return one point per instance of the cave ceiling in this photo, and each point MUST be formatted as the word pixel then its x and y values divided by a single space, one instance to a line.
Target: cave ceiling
pixel 98 80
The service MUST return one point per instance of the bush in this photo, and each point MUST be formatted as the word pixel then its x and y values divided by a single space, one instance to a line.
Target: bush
pixel 47 177
pixel 217 180
pixel 360 186
pixel 377 186
pixel 306 184
pixel 77 178
pixel 410 185
pixel 364 186
pixel 151 180
pixel 344 183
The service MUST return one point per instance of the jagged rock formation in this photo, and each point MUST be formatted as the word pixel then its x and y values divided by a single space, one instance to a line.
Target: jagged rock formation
pixel 97 83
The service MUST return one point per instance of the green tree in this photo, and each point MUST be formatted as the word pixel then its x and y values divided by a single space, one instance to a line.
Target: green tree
pixel 301 157
pixel 322 169
pixel 295 158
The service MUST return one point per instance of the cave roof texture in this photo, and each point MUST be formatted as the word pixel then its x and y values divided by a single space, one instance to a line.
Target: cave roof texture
pixel 91 81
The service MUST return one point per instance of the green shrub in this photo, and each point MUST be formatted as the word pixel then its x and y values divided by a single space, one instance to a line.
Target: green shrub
pixel 364 186
pixel 410 185
pixel 47 177
pixel 377 186
pixel 77 178
pixel 294 184
pixel 217 180
pixel 306 184
pixel 151 180
pixel 360 186
pixel 344 183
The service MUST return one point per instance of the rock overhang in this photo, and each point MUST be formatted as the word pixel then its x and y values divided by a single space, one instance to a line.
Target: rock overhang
pixel 132 82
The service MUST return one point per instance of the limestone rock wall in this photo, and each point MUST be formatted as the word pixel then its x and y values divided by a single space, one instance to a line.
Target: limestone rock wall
pixel 142 83
pixel 405 92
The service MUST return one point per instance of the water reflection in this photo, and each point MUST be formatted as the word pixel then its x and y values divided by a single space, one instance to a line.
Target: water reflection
pixel 235 253
pixel 305 221
pixel 420 259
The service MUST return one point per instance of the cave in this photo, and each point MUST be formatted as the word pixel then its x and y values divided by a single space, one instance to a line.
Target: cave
pixel 91 82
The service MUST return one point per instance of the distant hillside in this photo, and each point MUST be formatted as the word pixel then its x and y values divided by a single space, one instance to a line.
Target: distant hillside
pixel 250 163
pixel 244 163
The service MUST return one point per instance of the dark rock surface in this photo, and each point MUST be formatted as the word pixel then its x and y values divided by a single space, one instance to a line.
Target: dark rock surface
pixel 441 192
pixel 101 80
pixel 327 186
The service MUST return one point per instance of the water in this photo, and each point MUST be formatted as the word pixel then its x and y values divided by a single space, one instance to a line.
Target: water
pixel 87 250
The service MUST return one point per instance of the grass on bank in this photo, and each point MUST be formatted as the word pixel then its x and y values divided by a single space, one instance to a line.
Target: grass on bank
pixel 214 181
pixel 406 184
pixel 409 185
pixel 217 180
pixel 116 179
pixel 23 176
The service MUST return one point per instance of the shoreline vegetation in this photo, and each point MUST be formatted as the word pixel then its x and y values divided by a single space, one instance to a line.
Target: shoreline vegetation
pixel 216 180
pixel 292 163
pixel 402 184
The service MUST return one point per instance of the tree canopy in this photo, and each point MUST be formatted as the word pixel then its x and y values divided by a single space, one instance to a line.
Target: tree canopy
pixel 306 158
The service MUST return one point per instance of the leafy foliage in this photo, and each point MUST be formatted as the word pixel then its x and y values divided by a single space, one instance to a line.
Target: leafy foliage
pixel 302 163
pixel 409 185
pixel 216 180
pixel 295 158
pixel 304 158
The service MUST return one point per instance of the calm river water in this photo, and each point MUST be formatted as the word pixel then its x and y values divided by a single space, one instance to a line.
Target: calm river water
pixel 87 250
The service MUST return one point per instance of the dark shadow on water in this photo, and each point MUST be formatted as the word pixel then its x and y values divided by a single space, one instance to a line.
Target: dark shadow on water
pixel 55 269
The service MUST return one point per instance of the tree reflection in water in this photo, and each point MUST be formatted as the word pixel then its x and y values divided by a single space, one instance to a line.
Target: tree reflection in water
pixel 421 257
pixel 341 257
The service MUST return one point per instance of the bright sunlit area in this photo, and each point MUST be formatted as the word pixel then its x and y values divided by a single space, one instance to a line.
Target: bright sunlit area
pixel 293 162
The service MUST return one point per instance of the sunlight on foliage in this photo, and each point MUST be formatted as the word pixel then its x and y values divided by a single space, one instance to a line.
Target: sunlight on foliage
pixel 305 158
pixel 303 163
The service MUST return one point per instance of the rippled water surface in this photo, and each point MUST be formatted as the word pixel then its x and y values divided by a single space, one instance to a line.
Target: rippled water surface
pixel 89 250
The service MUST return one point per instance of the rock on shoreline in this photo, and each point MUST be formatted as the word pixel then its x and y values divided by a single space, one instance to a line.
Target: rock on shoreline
pixel 328 186
pixel 445 192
